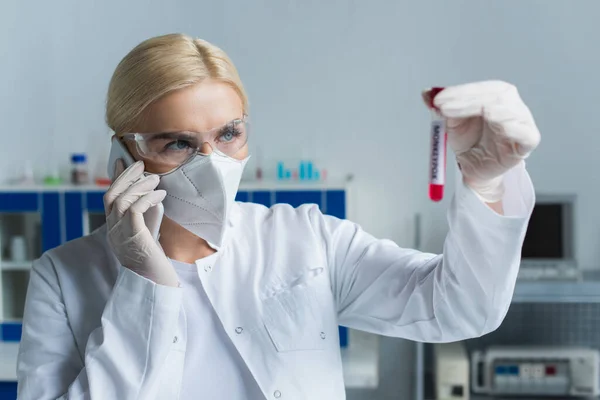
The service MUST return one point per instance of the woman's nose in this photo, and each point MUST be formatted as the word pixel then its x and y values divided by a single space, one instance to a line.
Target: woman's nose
pixel 206 148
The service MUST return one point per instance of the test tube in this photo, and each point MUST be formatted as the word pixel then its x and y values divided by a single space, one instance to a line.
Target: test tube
pixel 437 160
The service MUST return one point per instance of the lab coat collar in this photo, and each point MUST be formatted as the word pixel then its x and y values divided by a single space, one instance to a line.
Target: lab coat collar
pixel 235 214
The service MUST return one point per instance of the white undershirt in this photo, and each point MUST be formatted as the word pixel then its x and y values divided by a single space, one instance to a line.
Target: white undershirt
pixel 213 367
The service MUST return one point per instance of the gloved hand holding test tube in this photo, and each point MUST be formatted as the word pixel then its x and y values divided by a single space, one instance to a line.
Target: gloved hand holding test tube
pixel 490 129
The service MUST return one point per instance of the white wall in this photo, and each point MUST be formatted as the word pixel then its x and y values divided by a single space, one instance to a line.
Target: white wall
pixel 339 79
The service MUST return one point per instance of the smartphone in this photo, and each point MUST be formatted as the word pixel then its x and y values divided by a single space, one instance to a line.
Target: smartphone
pixel 153 217
pixel 118 150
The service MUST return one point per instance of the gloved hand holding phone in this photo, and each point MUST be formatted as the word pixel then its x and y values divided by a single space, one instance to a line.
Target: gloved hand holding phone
pixel 133 216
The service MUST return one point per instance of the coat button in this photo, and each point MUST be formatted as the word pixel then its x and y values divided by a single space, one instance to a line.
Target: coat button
pixel 239 330
pixel 323 336
pixel 208 268
pixel 175 339
pixel 277 394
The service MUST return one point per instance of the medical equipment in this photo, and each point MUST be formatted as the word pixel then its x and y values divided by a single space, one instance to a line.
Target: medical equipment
pixel 27 176
pixel 306 171
pixel 437 162
pixel 18 248
pixel 52 176
pixel 538 371
pixel 79 169
pixel 549 246
pixel 282 172
pixel 202 193
pixel 259 171
pixel 102 181
pixel 451 371
pixel 24 175
pixel 173 149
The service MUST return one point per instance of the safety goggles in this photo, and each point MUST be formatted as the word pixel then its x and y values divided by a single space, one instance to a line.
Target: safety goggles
pixel 173 149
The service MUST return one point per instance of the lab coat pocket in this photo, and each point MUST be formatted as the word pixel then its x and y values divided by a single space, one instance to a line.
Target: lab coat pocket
pixel 294 318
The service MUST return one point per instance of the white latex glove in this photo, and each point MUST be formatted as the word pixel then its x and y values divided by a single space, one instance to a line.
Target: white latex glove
pixel 490 129
pixel 130 196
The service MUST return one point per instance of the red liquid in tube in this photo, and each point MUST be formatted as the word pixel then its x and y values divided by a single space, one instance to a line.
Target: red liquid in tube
pixel 437 154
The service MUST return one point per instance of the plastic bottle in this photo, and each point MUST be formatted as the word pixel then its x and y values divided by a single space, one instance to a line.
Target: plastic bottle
pixel 79 169
pixel 259 170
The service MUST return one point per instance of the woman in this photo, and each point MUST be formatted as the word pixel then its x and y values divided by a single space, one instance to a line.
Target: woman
pixel 237 301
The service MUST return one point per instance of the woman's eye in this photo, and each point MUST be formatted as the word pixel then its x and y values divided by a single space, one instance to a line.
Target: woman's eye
pixel 229 135
pixel 178 145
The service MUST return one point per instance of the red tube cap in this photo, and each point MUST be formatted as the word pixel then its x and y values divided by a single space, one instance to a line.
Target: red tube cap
pixel 429 95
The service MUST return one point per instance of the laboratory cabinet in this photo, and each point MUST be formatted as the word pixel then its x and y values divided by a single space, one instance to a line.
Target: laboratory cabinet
pixel 34 219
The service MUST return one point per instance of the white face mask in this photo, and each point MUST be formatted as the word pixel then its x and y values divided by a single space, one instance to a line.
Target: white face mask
pixel 200 194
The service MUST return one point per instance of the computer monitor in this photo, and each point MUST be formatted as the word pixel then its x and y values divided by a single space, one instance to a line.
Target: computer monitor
pixel 550 240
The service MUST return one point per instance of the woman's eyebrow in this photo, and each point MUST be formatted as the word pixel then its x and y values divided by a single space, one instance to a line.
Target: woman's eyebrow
pixel 173 135
pixel 189 134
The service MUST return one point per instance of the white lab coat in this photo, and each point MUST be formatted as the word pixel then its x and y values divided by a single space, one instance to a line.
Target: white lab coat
pixel 283 282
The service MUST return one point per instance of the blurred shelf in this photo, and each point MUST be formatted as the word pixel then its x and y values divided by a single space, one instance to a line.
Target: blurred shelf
pixel 360 360
pixel 15 265
pixel 586 290
pixel 293 185
pixel 244 185
pixel 49 188
pixel 8 361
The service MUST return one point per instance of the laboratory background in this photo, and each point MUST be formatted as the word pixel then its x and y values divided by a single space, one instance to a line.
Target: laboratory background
pixel 338 120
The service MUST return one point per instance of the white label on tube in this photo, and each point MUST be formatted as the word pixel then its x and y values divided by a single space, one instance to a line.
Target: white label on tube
pixel 438 155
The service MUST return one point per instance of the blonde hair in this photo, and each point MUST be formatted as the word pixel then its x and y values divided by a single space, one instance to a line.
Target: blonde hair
pixel 161 65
